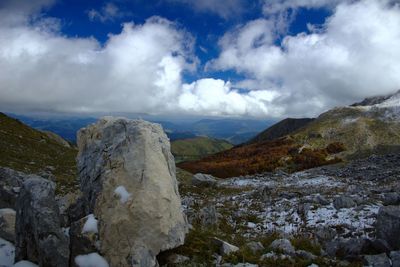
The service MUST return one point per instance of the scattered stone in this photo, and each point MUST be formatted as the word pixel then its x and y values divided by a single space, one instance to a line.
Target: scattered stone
pixel 224 247
pixel 201 179
pixel 343 202
pixel 10 184
pixel 134 154
pixel 388 225
pixel 39 237
pixel 177 259
pixel 208 216
pixel 325 233
pixel 7 224
pixel 380 260
pixel 391 198
pixel 255 247
pixel 305 255
pixel 284 246
pixel 395 257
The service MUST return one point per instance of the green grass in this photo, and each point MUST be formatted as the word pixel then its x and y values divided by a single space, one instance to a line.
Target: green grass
pixel 28 150
pixel 198 147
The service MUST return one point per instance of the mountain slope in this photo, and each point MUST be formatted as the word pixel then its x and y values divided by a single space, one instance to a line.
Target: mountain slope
pixel 339 134
pixel 197 147
pixel 25 149
pixel 280 129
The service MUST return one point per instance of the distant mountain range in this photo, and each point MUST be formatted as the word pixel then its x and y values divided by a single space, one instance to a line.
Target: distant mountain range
pixel 343 133
pixel 235 131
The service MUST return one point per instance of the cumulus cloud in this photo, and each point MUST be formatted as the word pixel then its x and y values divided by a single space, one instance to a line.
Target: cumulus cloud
pixel 108 12
pixel 225 9
pixel 353 55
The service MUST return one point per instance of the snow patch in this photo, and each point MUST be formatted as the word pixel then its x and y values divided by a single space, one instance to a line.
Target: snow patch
pixel 25 264
pixel 91 260
pixel 122 193
pixel 90 225
pixel 7 253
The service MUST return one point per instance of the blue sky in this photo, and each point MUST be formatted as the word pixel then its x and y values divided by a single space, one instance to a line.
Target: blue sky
pixel 231 58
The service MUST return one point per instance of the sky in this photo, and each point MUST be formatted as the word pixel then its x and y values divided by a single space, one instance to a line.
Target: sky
pixel 234 58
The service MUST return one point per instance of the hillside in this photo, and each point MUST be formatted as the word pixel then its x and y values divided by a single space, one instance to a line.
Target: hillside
pixel 25 149
pixel 280 129
pixel 339 134
pixel 197 147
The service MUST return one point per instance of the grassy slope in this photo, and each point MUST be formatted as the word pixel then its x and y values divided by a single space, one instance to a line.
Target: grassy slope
pixel 195 148
pixel 25 149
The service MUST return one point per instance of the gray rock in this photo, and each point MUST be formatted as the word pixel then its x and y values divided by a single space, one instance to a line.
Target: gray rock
pixel 127 176
pixel 177 259
pixel 284 246
pixel 7 224
pixel 388 225
pixel 380 260
pixel 201 179
pixel 391 198
pixel 82 242
pixel 208 216
pixel 305 255
pixel 347 249
pixel 224 247
pixel 343 202
pixel 255 247
pixel 321 200
pixel 325 233
pixel 39 237
pixel 395 257
pixel 10 184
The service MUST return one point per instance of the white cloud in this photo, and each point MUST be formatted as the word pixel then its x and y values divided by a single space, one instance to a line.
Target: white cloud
pixel 355 54
pixel 225 9
pixel 277 6
pixel 108 12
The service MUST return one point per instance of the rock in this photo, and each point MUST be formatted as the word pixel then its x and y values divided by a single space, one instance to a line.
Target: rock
pixel 347 249
pixel 395 257
pixel 343 202
pixel 201 179
pixel 208 216
pixel 388 225
pixel 303 209
pixel 7 224
pixel 127 176
pixel 84 240
pixel 380 260
pixel 318 199
pixel 264 193
pixel 224 247
pixel 305 255
pixel 284 246
pixel 10 184
pixel 325 233
pixel 255 247
pixel 64 204
pixel 39 237
pixel 392 198
pixel 177 259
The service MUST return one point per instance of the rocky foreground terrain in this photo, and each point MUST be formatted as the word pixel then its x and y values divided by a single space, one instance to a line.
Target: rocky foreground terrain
pixel 340 215
pixel 132 209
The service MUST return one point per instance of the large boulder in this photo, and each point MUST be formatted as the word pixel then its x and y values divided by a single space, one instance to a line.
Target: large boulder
pixel 39 237
pixel 388 225
pixel 127 176
pixel 7 224
pixel 201 179
pixel 10 185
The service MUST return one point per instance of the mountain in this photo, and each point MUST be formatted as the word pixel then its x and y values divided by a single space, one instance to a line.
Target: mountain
pixel 339 134
pixel 32 151
pixel 195 148
pixel 280 129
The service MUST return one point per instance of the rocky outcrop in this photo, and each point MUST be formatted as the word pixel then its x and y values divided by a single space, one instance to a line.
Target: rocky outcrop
pixel 201 179
pixel 388 225
pixel 39 237
pixel 7 224
pixel 10 185
pixel 127 176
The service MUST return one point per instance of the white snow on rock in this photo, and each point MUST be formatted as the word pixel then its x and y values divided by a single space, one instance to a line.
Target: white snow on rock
pixel 7 253
pixel 90 225
pixel 25 264
pixel 123 194
pixel 91 260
